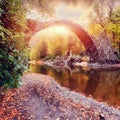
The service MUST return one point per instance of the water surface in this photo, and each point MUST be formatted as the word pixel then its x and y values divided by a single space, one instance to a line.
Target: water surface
pixel 101 84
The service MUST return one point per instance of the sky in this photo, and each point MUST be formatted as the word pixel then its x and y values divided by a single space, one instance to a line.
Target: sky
pixel 74 10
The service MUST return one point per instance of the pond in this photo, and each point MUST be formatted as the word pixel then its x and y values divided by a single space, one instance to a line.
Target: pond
pixel 100 84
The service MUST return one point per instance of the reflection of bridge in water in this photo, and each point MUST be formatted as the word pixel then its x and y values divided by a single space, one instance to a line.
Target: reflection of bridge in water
pixel 88 42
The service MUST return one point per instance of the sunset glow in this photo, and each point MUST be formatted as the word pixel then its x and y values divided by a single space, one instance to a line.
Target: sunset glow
pixel 58 29
pixel 49 32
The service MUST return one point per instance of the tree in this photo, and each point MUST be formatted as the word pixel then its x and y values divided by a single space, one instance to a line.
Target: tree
pixel 40 51
pixel 58 50
pixel 113 28
pixel 99 15
pixel 43 50
pixel 105 18
pixel 102 14
pixel 71 44
pixel 12 48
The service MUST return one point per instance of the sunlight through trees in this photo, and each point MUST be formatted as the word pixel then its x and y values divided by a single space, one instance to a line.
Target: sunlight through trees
pixel 51 43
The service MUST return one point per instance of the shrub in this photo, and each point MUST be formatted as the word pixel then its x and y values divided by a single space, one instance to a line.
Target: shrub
pixel 12 49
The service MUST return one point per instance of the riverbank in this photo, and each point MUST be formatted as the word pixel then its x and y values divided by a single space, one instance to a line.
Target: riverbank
pixel 41 98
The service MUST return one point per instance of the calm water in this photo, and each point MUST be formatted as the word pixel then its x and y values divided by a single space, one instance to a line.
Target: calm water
pixel 101 84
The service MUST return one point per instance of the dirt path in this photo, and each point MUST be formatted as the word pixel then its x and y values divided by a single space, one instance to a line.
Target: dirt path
pixel 41 98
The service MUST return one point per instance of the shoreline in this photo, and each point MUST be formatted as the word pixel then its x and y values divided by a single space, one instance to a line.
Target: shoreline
pixel 75 64
pixel 44 99
pixel 53 91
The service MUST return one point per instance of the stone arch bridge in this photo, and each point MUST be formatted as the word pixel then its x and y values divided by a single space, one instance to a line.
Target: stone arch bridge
pixel 75 28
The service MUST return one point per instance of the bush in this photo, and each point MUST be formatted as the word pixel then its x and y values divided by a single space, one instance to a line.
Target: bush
pixel 12 66
pixel 12 49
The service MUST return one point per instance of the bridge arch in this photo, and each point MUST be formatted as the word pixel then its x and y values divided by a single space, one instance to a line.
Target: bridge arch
pixel 78 30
